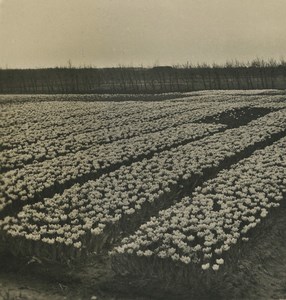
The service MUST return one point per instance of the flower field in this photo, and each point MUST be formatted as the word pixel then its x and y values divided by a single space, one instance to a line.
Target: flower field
pixel 201 227
pixel 173 186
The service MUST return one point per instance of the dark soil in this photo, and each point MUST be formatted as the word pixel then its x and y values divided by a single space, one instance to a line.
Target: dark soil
pixel 259 274
pixel 237 117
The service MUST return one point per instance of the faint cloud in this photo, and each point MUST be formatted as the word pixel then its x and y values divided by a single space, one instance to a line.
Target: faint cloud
pixel 1 8
pixel 1 2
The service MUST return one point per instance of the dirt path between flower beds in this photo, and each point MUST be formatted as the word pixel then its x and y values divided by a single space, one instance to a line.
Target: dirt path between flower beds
pixel 260 274
pixel 265 266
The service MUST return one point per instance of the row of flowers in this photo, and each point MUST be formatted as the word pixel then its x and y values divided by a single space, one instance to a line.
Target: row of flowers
pixel 200 229
pixel 23 184
pixel 42 112
pixel 28 147
pixel 90 118
pixel 90 208
pixel 19 117
pixel 40 98
pixel 54 141
pixel 29 122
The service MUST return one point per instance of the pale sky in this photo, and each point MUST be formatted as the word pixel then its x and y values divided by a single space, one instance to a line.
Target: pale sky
pixel 48 33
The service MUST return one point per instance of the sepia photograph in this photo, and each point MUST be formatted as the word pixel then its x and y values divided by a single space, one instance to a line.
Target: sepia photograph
pixel 142 149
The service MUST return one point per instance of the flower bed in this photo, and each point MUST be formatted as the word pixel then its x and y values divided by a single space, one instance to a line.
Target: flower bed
pixel 191 240
pixel 87 217
pixel 39 179
pixel 34 144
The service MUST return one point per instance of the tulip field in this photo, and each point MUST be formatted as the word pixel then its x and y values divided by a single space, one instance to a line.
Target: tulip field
pixel 172 188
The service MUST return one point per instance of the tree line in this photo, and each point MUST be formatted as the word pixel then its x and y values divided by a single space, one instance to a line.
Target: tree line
pixel 257 74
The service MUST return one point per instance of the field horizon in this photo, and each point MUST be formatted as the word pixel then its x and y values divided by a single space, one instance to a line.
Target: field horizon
pixel 256 74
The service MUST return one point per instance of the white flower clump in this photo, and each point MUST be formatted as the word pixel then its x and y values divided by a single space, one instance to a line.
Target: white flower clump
pixel 51 130
pixel 218 214
pixel 29 145
pixel 90 207
pixel 30 122
pixel 23 184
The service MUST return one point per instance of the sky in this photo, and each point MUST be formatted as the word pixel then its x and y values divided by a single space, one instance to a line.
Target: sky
pixel 106 33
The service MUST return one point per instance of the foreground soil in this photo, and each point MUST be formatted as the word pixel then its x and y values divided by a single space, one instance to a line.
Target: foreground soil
pixel 260 274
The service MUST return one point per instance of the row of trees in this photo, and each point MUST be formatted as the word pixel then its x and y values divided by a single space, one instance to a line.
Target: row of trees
pixel 257 74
